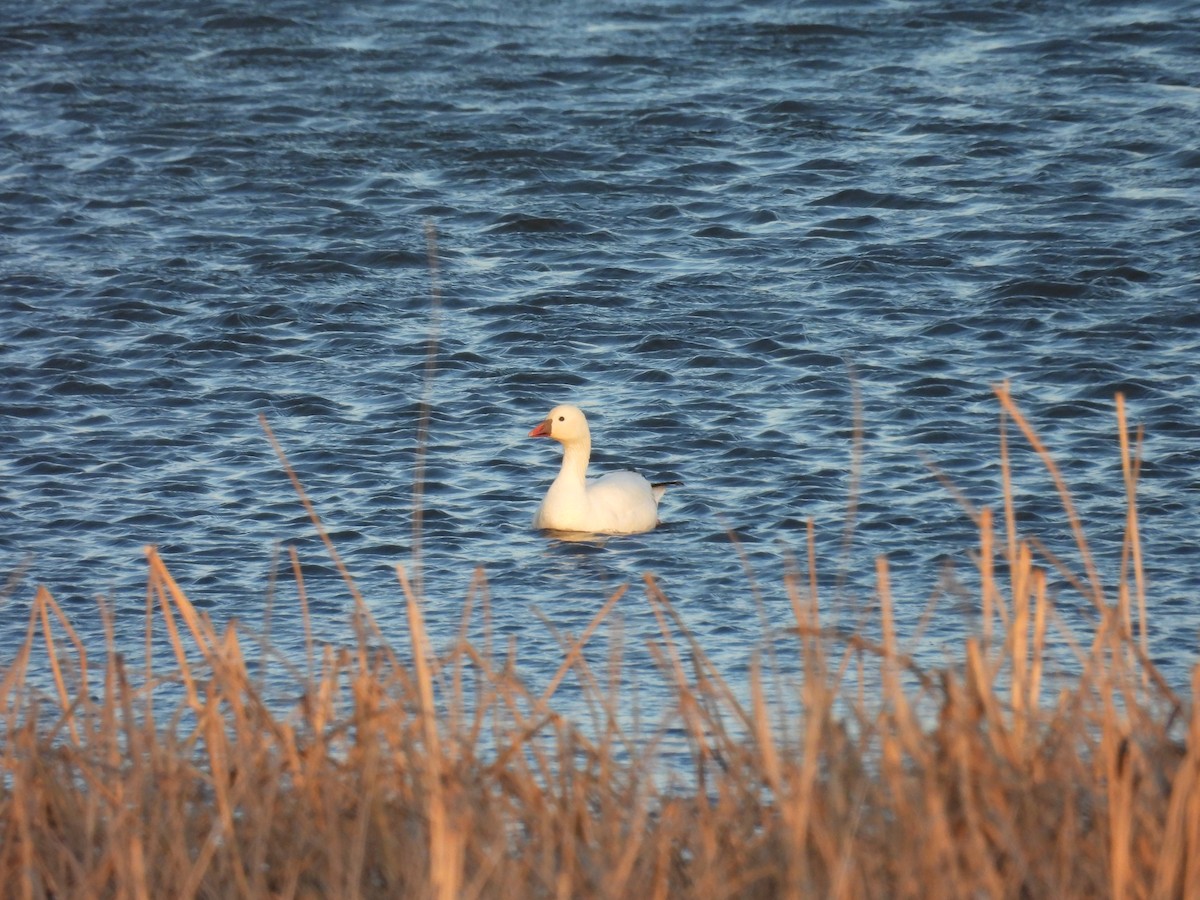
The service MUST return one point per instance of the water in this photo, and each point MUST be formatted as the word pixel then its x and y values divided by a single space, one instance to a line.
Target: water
pixel 700 222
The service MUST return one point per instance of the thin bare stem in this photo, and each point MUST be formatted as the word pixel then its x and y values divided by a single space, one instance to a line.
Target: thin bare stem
pixel 425 414
pixel 1064 493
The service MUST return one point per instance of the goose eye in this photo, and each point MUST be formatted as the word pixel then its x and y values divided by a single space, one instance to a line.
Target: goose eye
pixel 562 418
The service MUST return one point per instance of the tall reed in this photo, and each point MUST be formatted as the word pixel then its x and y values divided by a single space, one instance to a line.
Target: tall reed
pixel 441 773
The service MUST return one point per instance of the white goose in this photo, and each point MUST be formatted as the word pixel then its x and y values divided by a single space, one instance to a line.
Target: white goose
pixel 617 503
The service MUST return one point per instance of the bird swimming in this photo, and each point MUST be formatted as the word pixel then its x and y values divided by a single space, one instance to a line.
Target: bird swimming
pixel 616 503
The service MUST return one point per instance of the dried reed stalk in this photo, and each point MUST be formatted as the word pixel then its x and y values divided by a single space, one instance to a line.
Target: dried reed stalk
pixel 860 774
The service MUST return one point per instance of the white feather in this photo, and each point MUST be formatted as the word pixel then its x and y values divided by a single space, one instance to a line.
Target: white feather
pixel 617 503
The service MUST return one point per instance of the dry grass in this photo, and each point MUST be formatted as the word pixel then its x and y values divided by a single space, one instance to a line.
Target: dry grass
pixel 447 776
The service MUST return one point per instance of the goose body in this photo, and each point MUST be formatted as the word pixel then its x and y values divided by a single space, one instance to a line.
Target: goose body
pixel 617 503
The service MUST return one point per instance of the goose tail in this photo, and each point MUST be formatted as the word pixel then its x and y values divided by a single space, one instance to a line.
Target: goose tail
pixel 660 488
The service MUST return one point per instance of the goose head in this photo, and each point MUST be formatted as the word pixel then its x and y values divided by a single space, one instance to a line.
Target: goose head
pixel 565 424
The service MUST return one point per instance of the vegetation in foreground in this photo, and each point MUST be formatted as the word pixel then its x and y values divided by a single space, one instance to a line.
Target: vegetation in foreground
pixel 447 777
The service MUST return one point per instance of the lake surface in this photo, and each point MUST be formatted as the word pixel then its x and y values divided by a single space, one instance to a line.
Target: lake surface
pixel 704 223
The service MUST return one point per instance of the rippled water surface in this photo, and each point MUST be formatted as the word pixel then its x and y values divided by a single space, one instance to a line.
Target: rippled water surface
pixel 702 222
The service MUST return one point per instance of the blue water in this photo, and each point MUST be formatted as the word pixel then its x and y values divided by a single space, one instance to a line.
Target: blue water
pixel 702 222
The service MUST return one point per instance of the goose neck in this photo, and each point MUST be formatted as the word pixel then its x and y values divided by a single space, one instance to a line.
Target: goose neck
pixel 575 457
